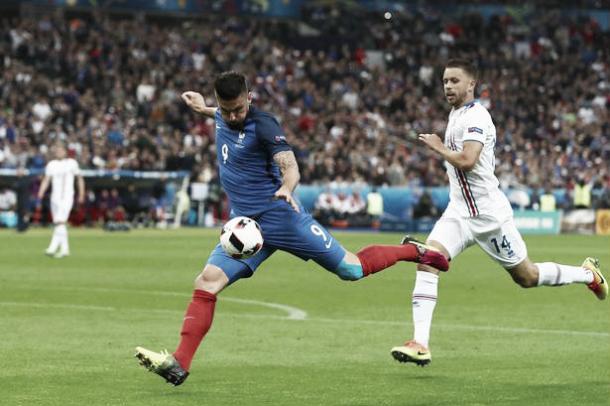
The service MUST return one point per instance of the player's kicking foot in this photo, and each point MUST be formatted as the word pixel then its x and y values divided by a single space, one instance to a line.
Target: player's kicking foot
pixel 413 352
pixel 428 255
pixel 599 286
pixel 162 364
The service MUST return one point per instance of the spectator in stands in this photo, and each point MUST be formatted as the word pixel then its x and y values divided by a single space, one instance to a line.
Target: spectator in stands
pixel 213 203
pixel 159 203
pixel 582 194
pixel 115 206
pixel 603 202
pixel 356 211
pixel 374 204
pixel 132 202
pixel 547 200
pixel 23 190
pixel 183 203
pixel 350 122
pixel 8 205
pixel 425 207
pixel 340 207
pixel 324 207
pixel 356 204
pixel 103 205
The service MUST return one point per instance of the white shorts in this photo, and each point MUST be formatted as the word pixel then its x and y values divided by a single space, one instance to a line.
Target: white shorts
pixel 60 211
pixel 498 237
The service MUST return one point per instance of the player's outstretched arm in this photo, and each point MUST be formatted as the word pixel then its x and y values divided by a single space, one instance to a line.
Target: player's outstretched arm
pixel 290 176
pixel 463 160
pixel 197 103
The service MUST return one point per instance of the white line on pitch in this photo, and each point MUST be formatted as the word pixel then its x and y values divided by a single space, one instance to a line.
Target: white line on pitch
pixel 317 320
pixel 293 313
pixel 468 327
pixel 58 306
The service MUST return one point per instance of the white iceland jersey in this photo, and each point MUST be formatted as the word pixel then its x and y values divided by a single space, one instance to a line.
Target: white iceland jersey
pixel 62 173
pixel 477 191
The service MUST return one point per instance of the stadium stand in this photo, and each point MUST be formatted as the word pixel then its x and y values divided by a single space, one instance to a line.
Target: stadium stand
pixel 351 87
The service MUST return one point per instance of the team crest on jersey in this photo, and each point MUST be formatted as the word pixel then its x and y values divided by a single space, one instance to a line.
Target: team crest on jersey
pixel 240 139
pixel 475 130
pixel 280 138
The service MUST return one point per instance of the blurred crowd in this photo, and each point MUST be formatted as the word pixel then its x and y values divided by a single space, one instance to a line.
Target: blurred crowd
pixel 351 89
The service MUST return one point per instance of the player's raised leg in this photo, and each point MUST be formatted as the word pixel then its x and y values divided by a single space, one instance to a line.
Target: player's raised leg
pixel 375 258
pixel 507 247
pixel 307 239
pixel 528 275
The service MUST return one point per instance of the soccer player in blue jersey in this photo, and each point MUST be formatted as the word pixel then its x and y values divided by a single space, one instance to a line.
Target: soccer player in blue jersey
pixel 259 173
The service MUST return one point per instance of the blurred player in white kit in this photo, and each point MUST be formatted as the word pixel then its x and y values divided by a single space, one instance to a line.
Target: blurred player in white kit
pixel 61 172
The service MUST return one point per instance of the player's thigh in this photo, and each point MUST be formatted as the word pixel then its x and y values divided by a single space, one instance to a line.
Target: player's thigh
pixel 301 235
pixel 60 211
pixel 502 242
pixel 450 235
pixel 236 269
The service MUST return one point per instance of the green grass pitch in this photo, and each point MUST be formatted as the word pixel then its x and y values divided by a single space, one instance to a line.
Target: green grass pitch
pixel 68 328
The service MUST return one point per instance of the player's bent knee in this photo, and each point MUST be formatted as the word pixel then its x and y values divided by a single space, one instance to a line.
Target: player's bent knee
pixel 525 274
pixel 525 280
pixel 212 279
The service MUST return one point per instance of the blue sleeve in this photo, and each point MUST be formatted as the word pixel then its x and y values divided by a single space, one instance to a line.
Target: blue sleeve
pixel 269 132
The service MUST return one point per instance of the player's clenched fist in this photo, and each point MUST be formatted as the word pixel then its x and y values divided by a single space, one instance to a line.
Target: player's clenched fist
pixel 194 100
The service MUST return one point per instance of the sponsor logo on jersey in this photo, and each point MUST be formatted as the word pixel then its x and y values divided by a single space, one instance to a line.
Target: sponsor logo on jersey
pixel 475 130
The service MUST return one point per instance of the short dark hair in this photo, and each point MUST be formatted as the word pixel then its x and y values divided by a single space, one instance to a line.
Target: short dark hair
pixel 230 85
pixel 464 64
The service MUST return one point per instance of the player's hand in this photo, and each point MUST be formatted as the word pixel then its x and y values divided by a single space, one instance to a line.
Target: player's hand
pixel 285 194
pixel 195 101
pixel 432 140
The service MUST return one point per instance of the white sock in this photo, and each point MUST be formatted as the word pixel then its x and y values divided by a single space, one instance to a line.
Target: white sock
pixel 552 274
pixel 54 241
pixel 62 232
pixel 424 301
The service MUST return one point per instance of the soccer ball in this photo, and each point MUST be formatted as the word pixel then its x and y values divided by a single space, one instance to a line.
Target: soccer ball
pixel 241 237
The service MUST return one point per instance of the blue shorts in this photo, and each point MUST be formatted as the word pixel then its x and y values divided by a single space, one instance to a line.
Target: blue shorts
pixel 284 229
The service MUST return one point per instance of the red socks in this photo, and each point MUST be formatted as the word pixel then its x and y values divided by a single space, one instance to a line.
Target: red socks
pixel 375 258
pixel 197 322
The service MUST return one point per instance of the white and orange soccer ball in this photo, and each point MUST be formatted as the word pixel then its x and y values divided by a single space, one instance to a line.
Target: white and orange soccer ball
pixel 241 237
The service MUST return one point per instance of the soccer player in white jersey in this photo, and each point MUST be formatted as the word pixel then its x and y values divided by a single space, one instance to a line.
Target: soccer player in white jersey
pixel 60 172
pixel 478 212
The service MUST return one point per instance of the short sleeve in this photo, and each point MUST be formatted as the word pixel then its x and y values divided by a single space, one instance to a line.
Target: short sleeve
pixel 269 132
pixel 476 124
pixel 48 169
pixel 75 168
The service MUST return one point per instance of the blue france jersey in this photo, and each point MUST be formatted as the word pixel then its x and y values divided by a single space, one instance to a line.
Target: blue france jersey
pixel 247 171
